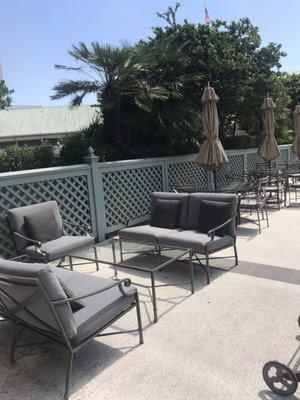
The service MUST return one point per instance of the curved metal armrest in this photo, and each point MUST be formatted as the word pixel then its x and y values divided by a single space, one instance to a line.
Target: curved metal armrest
pixel 126 282
pixel 35 242
pixel 127 220
pixel 87 228
pixel 211 233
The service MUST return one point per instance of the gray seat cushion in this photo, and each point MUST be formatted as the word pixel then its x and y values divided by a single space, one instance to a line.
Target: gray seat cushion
pixel 16 221
pixel 193 239
pixel 195 207
pixel 184 199
pixel 144 233
pixel 99 309
pixel 60 247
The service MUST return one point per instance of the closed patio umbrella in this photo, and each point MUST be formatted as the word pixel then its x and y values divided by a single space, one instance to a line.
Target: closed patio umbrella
pixel 296 140
pixel 269 148
pixel 211 155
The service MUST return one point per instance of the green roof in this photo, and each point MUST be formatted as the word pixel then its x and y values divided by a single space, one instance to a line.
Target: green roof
pixel 39 121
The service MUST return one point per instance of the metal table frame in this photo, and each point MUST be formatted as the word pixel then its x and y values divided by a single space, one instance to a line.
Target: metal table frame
pixel 184 252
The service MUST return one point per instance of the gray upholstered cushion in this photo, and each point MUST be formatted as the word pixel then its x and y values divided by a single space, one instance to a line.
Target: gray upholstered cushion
pixel 213 214
pixel 52 286
pixel 195 207
pixel 60 247
pixel 183 197
pixel 144 233
pixel 165 213
pixel 193 239
pixel 99 309
pixel 20 281
pixel 15 218
pixel 44 225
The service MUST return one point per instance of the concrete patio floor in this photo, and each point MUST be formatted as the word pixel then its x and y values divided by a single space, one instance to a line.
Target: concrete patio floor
pixel 211 345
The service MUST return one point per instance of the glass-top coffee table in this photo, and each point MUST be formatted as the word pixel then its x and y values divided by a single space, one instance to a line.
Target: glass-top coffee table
pixel 143 257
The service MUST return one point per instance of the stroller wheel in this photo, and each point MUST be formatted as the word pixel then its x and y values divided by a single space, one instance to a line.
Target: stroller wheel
pixel 280 378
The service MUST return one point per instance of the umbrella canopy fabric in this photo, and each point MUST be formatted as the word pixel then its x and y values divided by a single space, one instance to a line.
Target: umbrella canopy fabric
pixel 211 155
pixel 296 140
pixel 269 148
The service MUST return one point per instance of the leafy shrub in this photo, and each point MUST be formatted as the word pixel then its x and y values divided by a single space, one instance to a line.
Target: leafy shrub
pixel 16 158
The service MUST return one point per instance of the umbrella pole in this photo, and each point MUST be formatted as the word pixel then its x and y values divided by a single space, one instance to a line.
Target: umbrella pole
pixel 215 179
pixel 269 164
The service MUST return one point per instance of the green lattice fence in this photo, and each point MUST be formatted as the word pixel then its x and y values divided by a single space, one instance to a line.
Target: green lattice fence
pixel 182 170
pixel 127 188
pixel 104 194
pixel 69 186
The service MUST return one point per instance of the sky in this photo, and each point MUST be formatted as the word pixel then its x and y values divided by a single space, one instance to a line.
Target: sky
pixel 36 34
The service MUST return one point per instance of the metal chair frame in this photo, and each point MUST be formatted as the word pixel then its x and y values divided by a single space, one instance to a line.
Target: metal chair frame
pixel 259 195
pixel 61 336
pixel 211 234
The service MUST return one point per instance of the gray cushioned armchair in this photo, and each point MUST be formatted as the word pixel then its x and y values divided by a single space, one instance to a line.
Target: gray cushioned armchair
pixel 186 234
pixel 38 230
pixel 63 305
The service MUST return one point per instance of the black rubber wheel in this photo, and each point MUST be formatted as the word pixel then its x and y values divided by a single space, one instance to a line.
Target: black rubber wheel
pixel 280 378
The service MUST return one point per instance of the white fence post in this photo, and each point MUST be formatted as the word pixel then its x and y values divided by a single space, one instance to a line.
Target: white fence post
pixel 97 193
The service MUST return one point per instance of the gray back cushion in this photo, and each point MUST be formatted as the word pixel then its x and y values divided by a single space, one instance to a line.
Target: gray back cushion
pixel 44 225
pixel 183 197
pixel 195 206
pixel 165 213
pixel 16 221
pixel 19 281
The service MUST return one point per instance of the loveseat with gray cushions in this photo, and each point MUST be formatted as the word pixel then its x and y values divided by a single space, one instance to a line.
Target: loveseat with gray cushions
pixel 202 222
pixel 66 306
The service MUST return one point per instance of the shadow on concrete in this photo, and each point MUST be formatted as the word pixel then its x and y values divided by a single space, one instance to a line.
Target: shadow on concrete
pixel 41 369
pixel 280 274
pixel 269 395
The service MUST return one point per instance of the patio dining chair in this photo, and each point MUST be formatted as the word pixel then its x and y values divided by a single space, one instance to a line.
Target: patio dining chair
pixel 38 231
pixel 255 203
pixel 65 306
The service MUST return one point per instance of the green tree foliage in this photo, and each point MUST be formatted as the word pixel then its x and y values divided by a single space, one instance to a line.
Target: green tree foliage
pixel 150 93
pixel 16 158
pixel 5 95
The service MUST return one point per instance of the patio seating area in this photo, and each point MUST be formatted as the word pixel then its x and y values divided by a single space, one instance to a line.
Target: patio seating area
pixel 211 344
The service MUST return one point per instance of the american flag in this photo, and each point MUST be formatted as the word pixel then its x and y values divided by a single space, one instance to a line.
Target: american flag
pixel 206 16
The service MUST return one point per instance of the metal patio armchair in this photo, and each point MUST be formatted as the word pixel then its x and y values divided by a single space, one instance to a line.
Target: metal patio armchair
pixel 65 306
pixel 38 231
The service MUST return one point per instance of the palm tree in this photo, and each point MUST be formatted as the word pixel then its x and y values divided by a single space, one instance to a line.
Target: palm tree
pixel 112 72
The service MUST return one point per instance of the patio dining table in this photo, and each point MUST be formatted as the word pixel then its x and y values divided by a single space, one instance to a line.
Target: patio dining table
pixel 238 187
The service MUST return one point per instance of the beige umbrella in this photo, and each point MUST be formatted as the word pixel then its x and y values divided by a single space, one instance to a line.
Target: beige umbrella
pixel 211 155
pixel 296 140
pixel 269 148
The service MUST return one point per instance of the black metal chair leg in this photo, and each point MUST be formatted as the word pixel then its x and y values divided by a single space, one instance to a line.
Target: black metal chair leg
pixel 71 263
pixel 96 258
pixel 267 216
pixel 258 220
pixel 61 261
pixel 207 268
pixel 68 378
pixel 15 337
pixel 235 255
pixel 139 319
pixel 121 250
